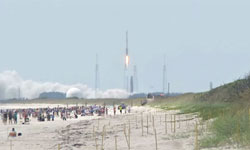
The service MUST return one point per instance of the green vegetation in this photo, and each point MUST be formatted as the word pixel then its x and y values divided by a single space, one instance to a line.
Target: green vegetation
pixel 230 127
pixel 228 106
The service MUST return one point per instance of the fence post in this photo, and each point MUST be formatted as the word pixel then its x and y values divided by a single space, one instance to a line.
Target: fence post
pixel 126 137
pixel 116 142
pixel 171 123
pixel 142 123
pixel 249 114
pixel 166 125
pixel 136 121
pixel 150 117
pixel 179 121
pixel 103 134
pixel 129 134
pixel 98 123
pixel 96 145
pixel 93 131
pixel 68 136
pixel 153 121
pixel 196 136
pixel 147 124
pixel 156 144
pixel 160 119
pixel 174 124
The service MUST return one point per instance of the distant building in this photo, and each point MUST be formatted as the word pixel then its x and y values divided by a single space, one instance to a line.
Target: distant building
pixel 52 95
pixel 138 95
pixel 155 94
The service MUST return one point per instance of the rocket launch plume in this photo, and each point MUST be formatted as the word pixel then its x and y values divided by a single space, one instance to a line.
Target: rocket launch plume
pixel 126 69
pixel 127 61
pixel 11 82
pixel 127 56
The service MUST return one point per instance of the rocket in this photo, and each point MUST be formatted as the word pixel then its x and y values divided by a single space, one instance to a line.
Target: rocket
pixel 126 69
pixel 127 56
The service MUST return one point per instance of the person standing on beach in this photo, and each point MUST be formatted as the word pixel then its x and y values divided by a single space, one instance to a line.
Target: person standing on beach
pixel 5 117
pixel 120 108
pixel 114 110
pixel 107 111
pixel 25 115
pixel 53 116
pixel 15 117
pixel 129 109
pixel 10 117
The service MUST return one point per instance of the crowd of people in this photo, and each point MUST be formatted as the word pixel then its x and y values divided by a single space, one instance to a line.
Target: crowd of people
pixel 11 116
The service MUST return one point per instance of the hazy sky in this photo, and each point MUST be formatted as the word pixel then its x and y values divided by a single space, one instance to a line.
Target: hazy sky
pixel 57 40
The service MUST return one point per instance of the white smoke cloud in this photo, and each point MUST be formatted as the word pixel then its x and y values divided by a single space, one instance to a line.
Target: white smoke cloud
pixel 11 82
pixel 74 92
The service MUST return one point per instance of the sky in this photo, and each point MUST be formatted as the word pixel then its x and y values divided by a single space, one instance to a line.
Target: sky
pixel 57 41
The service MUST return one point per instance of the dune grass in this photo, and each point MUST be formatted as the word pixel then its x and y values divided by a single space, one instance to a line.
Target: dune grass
pixel 231 122
pixel 230 127
pixel 228 107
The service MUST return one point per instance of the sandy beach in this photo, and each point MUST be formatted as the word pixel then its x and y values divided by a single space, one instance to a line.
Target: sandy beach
pixel 123 131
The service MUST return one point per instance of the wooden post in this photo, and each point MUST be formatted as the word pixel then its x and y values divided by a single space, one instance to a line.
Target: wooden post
pixel 147 124
pixel 93 131
pixel 174 124
pixel 105 131
pixel 238 131
pixel 98 123
pixel 160 119
pixel 68 136
pixel 126 137
pixel 171 123
pixel 153 121
pixel 207 125
pixel 103 134
pixel 116 142
pixel 142 123
pixel 202 127
pixel 150 117
pixel 186 121
pixel 136 122
pixel 166 125
pixel 96 145
pixel 249 113
pixel 156 144
pixel 196 137
pixel 129 133
pixel 59 147
pixel 179 121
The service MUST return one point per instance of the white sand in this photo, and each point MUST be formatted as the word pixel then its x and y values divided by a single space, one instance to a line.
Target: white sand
pixel 76 134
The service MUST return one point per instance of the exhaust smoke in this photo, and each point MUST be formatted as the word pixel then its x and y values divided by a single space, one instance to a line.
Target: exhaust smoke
pixel 13 86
